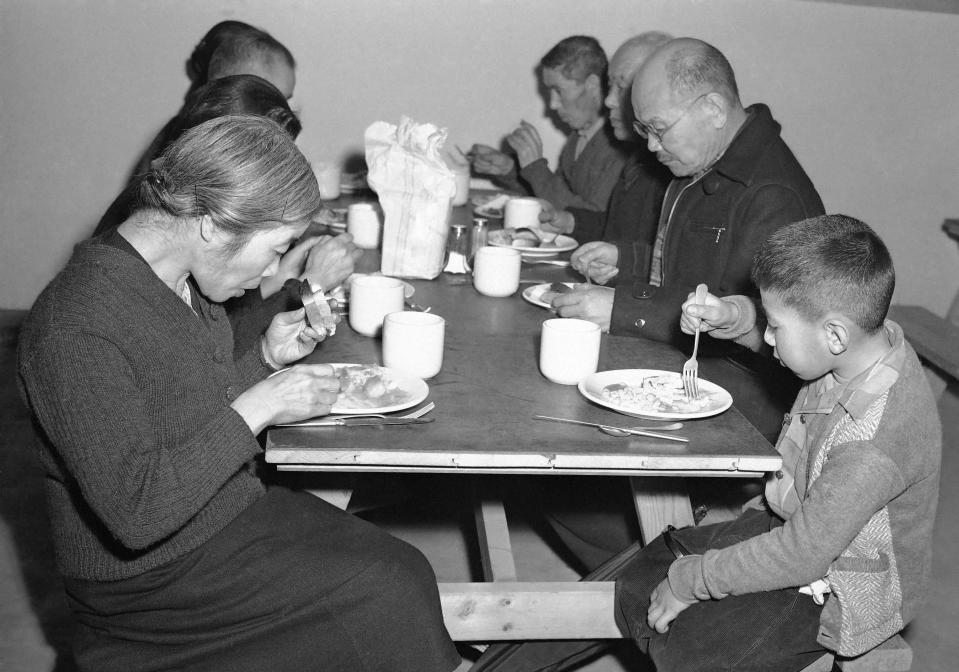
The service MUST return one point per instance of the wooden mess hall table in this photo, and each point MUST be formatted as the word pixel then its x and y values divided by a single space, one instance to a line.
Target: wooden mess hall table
pixel 486 394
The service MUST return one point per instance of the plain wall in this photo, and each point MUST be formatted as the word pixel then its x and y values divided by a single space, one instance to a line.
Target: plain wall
pixel 867 98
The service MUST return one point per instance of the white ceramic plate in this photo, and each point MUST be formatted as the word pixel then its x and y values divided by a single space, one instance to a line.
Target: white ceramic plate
pixel 342 293
pixel 405 391
pixel 531 251
pixel 718 399
pixel 534 294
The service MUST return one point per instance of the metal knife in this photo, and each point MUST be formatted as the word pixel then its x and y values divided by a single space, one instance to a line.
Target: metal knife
pixel 356 422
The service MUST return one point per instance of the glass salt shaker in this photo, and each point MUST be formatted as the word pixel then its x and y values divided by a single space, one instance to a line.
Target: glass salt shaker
pixel 480 237
pixel 457 250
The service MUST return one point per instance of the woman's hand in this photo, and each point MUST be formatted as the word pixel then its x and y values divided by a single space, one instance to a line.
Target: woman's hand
pixel 291 266
pixel 289 338
pixel 331 261
pixel 714 314
pixel 299 392
pixel 596 260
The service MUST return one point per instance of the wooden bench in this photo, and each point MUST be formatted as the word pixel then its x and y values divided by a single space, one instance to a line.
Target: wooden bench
pixel 935 338
pixel 893 655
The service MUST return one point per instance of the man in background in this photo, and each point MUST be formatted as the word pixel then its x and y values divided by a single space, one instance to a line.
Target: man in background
pixel 634 204
pixel 572 72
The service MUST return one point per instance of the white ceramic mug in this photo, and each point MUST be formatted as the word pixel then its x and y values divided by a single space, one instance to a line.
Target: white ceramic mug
pixel 363 223
pixel 413 343
pixel 462 175
pixel 521 212
pixel 372 298
pixel 496 271
pixel 328 178
pixel 569 349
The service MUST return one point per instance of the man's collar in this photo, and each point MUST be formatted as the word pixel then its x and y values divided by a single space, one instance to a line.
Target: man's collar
pixel 591 130
pixel 738 162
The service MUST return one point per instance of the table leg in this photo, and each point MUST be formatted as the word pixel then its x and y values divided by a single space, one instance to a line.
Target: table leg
pixel 494 544
pixel 660 502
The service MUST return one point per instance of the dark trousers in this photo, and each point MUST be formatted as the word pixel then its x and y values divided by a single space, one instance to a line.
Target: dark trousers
pixel 772 631
pixel 291 585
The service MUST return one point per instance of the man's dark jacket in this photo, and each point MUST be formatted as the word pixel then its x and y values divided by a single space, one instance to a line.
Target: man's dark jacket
pixel 633 206
pixel 715 227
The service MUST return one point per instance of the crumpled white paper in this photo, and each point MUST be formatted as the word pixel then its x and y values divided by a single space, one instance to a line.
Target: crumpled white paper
pixel 415 189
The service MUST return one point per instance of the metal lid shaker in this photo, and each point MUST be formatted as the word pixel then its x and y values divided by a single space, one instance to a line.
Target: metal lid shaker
pixel 457 250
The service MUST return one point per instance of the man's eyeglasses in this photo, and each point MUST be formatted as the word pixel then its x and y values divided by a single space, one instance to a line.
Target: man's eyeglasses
pixel 645 131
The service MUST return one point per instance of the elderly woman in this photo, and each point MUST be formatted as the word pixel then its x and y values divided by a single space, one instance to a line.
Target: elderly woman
pixel 325 260
pixel 174 554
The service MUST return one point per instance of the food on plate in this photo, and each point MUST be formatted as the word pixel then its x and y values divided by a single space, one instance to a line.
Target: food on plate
pixel 553 290
pixel 658 394
pixel 517 238
pixel 368 387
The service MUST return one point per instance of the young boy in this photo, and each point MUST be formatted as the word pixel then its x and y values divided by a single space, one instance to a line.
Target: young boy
pixel 837 554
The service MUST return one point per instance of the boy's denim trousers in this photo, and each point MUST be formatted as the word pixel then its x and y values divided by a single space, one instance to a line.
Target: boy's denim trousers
pixel 772 631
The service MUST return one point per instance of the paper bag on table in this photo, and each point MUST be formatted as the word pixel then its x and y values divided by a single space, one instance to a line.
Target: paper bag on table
pixel 415 189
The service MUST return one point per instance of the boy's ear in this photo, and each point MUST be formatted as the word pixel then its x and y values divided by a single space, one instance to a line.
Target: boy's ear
pixel 837 335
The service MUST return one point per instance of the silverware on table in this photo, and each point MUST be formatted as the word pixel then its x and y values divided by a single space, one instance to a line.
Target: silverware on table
pixel 361 421
pixel 330 420
pixel 627 430
pixel 551 262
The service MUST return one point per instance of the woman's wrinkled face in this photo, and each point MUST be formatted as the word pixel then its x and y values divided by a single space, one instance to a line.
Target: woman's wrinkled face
pixel 222 274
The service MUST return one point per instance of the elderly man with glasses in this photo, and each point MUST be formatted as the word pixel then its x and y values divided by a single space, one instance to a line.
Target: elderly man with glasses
pixel 735 182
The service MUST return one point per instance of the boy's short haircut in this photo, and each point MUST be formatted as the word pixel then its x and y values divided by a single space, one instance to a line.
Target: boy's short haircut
pixel 831 263
pixel 577 58
pixel 256 46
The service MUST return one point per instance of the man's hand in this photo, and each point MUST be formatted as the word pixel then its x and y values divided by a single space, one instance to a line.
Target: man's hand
pixel 527 144
pixel 714 314
pixel 587 303
pixel 489 161
pixel 552 220
pixel 596 260
pixel 664 607
pixel 332 261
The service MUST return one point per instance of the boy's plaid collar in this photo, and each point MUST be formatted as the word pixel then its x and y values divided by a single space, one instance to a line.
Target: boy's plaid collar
pixel 858 394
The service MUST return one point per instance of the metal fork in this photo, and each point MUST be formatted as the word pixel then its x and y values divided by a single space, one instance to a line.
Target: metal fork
pixel 691 367
pixel 420 412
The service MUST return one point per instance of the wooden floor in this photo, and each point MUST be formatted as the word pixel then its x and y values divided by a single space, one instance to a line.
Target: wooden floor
pixel 36 627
